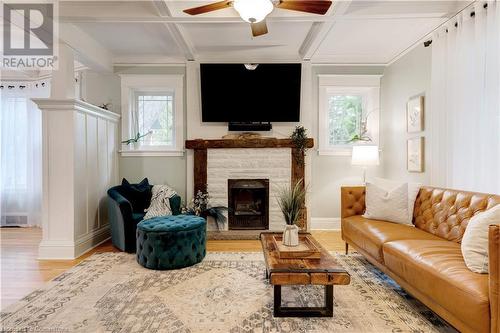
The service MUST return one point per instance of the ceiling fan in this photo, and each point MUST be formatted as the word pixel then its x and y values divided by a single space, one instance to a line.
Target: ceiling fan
pixel 255 11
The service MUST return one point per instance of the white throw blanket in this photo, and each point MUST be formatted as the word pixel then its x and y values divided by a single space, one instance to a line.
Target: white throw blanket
pixel 160 203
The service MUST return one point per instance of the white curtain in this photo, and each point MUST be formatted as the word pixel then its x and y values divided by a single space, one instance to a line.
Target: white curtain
pixel 465 101
pixel 21 153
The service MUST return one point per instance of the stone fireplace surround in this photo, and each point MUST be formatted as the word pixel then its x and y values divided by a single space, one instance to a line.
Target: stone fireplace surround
pixel 216 161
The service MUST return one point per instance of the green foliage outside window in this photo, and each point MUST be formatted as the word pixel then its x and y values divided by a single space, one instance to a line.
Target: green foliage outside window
pixel 345 114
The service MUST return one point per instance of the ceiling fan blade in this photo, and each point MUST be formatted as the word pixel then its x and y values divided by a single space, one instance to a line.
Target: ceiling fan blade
pixel 259 29
pixel 308 6
pixel 208 8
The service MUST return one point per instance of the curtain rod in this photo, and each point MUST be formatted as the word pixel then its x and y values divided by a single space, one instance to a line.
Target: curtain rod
pixel 428 42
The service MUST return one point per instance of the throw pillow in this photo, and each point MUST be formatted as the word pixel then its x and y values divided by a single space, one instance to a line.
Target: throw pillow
pixel 160 201
pixel 386 205
pixel 139 195
pixel 413 189
pixel 475 239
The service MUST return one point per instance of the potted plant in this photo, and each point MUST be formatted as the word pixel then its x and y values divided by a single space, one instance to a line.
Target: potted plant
pixel 290 201
pixel 135 140
pixel 200 206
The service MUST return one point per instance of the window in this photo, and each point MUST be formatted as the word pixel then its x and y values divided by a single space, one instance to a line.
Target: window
pixel 348 112
pixel 155 117
pixel 345 114
pixel 152 108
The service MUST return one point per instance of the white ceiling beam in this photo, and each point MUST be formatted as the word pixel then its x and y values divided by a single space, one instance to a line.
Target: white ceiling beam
pixel 176 31
pixel 208 19
pixel 320 30
pixel 87 50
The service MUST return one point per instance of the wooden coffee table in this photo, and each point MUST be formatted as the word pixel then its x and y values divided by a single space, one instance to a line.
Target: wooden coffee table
pixel 324 271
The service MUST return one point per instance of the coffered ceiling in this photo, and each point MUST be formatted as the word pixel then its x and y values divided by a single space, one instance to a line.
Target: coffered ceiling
pixel 352 32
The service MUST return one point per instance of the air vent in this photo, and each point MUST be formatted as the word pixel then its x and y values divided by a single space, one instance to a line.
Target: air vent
pixel 14 220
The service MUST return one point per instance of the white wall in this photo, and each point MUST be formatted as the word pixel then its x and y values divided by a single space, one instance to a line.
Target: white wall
pixel 324 174
pixel 159 170
pixel 101 88
pixel 329 173
pixel 408 77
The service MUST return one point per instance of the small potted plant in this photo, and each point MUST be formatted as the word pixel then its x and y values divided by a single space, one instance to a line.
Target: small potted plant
pixel 290 201
pixel 135 140
pixel 200 206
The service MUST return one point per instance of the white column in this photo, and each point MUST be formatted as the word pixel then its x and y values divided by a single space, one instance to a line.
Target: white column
pixel 62 83
pixel 79 164
pixel 193 118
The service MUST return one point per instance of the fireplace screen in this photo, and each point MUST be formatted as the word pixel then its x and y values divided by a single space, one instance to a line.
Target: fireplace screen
pixel 248 204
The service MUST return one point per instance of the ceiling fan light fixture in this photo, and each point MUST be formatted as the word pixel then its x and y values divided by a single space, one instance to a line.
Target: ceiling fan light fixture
pixel 253 11
pixel 251 67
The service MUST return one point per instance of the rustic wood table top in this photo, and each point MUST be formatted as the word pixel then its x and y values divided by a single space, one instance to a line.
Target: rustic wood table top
pixel 323 271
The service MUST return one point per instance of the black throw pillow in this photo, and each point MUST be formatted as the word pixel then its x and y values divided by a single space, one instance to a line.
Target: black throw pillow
pixel 139 195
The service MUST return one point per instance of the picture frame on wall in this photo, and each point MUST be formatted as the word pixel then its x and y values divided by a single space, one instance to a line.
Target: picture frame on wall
pixel 415 109
pixel 415 154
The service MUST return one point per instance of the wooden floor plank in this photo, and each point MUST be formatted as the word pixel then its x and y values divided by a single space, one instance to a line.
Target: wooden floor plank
pixel 21 272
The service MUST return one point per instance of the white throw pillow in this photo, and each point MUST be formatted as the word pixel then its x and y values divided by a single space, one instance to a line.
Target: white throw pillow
pixel 386 205
pixel 475 239
pixel 413 189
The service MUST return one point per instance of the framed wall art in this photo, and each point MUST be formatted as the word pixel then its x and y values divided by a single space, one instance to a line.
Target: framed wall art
pixel 415 154
pixel 415 114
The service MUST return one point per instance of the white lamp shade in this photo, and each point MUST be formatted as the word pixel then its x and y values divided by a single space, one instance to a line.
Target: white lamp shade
pixel 365 155
pixel 253 11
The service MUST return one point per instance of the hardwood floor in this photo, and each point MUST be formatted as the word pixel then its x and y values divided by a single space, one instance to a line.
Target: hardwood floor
pixel 21 271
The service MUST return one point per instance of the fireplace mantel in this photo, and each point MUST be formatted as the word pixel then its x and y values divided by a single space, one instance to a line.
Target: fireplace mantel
pixel 201 146
pixel 243 143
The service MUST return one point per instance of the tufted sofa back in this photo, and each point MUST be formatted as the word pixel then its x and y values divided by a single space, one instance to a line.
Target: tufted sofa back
pixel 446 213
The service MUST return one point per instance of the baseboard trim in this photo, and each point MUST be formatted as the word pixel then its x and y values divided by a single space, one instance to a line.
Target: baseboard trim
pixel 86 243
pixel 68 250
pixel 325 223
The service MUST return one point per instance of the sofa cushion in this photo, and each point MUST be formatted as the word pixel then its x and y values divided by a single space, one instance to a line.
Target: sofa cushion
pixel 437 269
pixel 370 235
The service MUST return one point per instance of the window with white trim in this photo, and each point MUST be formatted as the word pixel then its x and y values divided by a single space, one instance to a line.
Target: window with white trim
pixel 155 118
pixel 152 110
pixel 348 112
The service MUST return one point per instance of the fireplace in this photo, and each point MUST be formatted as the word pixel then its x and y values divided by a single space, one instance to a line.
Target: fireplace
pixel 248 202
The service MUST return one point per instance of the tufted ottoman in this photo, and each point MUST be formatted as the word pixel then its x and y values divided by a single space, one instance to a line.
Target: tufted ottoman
pixel 169 242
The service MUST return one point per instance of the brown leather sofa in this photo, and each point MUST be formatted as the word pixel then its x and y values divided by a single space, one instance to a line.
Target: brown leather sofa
pixel 426 260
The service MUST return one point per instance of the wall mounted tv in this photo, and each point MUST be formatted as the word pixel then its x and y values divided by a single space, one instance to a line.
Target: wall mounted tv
pixel 268 93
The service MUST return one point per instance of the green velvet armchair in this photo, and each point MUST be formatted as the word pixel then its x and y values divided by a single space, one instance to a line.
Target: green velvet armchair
pixel 126 211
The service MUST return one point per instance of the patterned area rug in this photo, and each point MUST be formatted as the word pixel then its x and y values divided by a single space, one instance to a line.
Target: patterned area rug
pixel 227 292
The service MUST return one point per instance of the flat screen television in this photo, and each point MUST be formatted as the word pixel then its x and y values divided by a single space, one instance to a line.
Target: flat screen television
pixel 232 93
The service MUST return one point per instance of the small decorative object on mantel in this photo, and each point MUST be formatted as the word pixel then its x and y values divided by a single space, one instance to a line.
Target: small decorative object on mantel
pixel 415 114
pixel 291 202
pixel 135 140
pixel 200 206
pixel 299 138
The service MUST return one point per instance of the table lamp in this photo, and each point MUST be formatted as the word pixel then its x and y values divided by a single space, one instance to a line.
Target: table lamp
pixel 365 156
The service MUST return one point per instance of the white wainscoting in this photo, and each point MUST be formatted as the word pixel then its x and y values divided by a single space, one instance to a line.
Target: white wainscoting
pixel 80 162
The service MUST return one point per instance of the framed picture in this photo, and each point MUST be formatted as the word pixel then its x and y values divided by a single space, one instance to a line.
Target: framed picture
pixel 415 154
pixel 415 114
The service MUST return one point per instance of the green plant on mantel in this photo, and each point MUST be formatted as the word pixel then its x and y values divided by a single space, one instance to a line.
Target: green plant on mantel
pixel 299 139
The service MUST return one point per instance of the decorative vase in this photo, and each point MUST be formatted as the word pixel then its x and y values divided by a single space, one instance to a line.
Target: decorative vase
pixel 291 235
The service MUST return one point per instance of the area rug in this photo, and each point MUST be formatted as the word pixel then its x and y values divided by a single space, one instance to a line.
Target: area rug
pixel 227 292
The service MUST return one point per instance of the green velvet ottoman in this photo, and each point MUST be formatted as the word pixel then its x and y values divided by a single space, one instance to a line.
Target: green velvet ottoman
pixel 170 242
